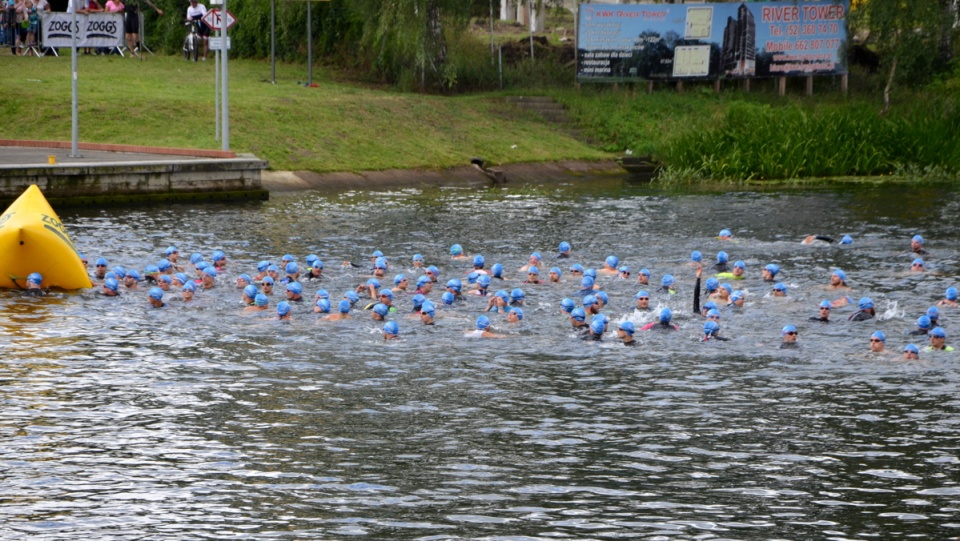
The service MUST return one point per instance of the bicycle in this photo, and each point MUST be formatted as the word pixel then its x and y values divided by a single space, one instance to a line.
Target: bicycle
pixel 191 43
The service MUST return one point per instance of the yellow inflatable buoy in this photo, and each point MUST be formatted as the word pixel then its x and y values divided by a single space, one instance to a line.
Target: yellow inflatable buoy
pixel 32 239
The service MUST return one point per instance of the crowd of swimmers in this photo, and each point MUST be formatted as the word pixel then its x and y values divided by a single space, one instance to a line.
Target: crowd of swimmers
pixel 421 283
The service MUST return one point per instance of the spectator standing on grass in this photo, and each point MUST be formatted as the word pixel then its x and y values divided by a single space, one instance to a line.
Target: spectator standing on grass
pixel 131 24
pixel 90 6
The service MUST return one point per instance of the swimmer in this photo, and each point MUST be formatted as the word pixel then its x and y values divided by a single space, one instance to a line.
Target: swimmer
pixel 923 326
pixel 380 267
pixel 911 352
pixel 172 254
pixel 427 312
pixel 554 276
pixel 447 298
pixel 517 296
pixel 219 260
pixel 878 342
pixel 315 270
pixel 722 259
pixel 260 303
pixel 155 297
pixel 707 308
pixel 165 282
pixel 916 245
pixel 586 286
pixel 592 273
pixel 497 271
pixel 576 269
pixel 187 291
pixel 625 333
pixel 824 314
pixel 710 287
pixel 865 310
pixel 533 276
pixel 455 287
pixel 267 285
pixel 533 261
pixel 284 312
pixel 379 312
pixel 391 331
pixel 725 234
pixel 417 261
pixel 287 258
pixel 208 277
pixel 351 297
pixel 433 273
pixel 590 305
pixel 483 286
pixel 738 273
pixel 243 281
pixel 949 298
pixel 478 263
pixel 610 265
pixel 294 292
pixel 292 271
pixel 602 298
pixel 249 294
pixel 34 279
pixel 713 315
pixel 643 301
pixel 780 290
pixel 151 273
pixel 737 299
pixel 164 267
pixel 273 271
pixel 565 250
pixel 310 259
pixel 810 239
pixel 456 252
pixel 261 270
pixel 424 286
pixel 623 273
pixel 515 315
pixel 663 323
pixel 934 314
pixel 938 338
pixel 101 269
pixel 386 298
pixel 321 307
pixel 917 265
pixel 566 306
pixel 321 294
pixel 371 287
pixel 578 319
pixel 418 301
pixel 789 340
pixel 696 259
pixel 838 280
pixel 711 330
pixel 483 329
pixel 596 329
pixel 666 285
pixel 723 293
pixel 343 311
pixel 131 279
pixel 769 272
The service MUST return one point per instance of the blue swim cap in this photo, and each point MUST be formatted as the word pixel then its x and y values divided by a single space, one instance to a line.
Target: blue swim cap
pixel 421 281
pixel 518 311
pixel 628 327
pixel 725 233
pixel 696 256
pixel 478 261
pixel 295 288
pixel 428 308
pixel 879 335
pixel 343 306
pixel 938 333
pixel 132 273
pixel 171 250
pixel 151 269
pixel 728 287
pixel 564 247
pixel 283 308
pixel 597 326
pixel 156 293
pixel 101 262
pixel 110 274
pixel 210 270
pixel 567 305
pixel 826 304
pixel 533 270
pixel 417 257
pixel 310 259
pixel 456 249
pixel 483 322
pixel 917 238
pixel 602 295
pixel 120 271
pixel 502 294
pixel 713 312
pixel 418 301
pixel 323 294
pixel 711 328
pixel 432 269
pixel 251 291
pixel 218 256
pixel 387 293
pixel 472 277
pixel 592 273
pixel 788 329
pixel 625 269
pixel 267 280
pixel 645 272
pixel 710 306
pixel 841 275
pixel 391 328
pixel 317 264
pixel 34 278
pixel 517 294
pixel 589 300
pixel 286 257
pixel 847 239
pixel 711 284
pixel 576 267
pixel 271 268
pixel 245 277
pixel 380 263
pixel 497 270
pixel 195 258
pixel 918 261
pixel 322 304
pixel 780 287
pixel 189 286
pixel 447 297
pixel 578 314
pixel 722 257
pixel 911 348
pixel 865 303
pixel 536 255
pixel 773 269
pixel 163 265
pixel 483 281
pixel 739 265
pixel 736 295
pixel 586 282
pixel 373 282
pixel 557 271
pixel 262 300
pixel 381 309
pixel 951 294
pixel 667 280
pixel 612 261
pixel 934 313
pixel 182 276
pixel 166 279
pixel 924 322
pixel 376 253
pixel 666 315
pixel 455 285
pixel 351 297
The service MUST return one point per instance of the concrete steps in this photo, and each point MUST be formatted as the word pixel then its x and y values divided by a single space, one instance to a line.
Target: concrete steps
pixel 542 106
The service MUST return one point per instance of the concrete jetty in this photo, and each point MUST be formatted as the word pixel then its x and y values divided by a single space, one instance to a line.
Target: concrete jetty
pixel 122 174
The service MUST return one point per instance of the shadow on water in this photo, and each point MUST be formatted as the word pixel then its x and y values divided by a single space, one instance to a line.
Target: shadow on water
pixel 200 420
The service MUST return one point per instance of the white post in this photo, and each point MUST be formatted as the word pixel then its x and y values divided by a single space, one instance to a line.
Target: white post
pixel 225 82
pixel 74 116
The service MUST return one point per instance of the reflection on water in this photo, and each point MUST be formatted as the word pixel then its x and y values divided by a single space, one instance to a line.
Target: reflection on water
pixel 200 422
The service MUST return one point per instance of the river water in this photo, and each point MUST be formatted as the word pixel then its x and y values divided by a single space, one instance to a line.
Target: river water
pixel 199 421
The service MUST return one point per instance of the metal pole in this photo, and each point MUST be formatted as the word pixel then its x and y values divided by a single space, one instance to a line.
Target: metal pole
pixel 491 32
pixel 273 41
pixel 216 92
pixel 75 118
pixel 225 83
pixel 500 64
pixel 309 44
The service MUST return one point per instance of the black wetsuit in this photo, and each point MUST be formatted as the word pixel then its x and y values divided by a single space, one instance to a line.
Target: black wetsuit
pixel 919 332
pixel 632 343
pixel 789 345
pixel 722 267
pixel 589 335
pixel 819 319
pixel 696 296
pixel 860 315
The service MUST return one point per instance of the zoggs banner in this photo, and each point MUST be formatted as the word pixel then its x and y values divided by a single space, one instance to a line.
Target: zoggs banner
pixel 711 41
pixel 94 30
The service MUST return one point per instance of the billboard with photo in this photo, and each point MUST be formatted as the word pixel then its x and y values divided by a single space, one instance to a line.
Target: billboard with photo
pixel 711 41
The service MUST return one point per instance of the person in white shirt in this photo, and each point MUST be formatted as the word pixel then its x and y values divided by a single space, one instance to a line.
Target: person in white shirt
pixel 195 13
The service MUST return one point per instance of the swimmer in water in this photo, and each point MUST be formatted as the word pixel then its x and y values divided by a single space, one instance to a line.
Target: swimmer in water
pixel 917 265
pixel 478 264
pixel 566 306
pixel 779 290
pixel 151 273
pixel 424 286
pixel 483 286
pixel 554 276
pixel 165 282
pixel 934 314
pixel 738 273
pixel 722 259
pixel 838 280
pixel 769 272
pixel 187 291
pixel 322 306
pixel 294 292
pixel 499 302
pixel 433 273
pixel 391 331
pixel 261 270
pixel 497 271
pixel 696 259
pixel 710 332
pixel 938 338
pixel 595 330
pixel 101 269
pixel 565 250
pixel 923 326
pixel 578 319
pixel 130 281
pixel 824 313
pixel 878 342
pixel 586 286
pixel 610 265
pixel 533 261
pixel 576 269
pixel 284 312
pixel 371 287
pixel 208 277
pixel 911 352
pixel 219 260
pixel 379 312
pixel 380 267
pixel 643 277
pixel 916 245
pixel 417 261
pixel 456 252
pixel 533 276
pixel 400 283
pixel 515 315
pixel 427 313
pixel 267 285
pixel 663 324
pixel 517 296
pixel 643 301
pixel 666 285
pixel 273 271
pixel 625 333
pixel 591 305
pixel 249 294
pixel 865 310
pixel 483 329
pixel 314 271
pixel 455 287
pixel 343 311
pixel 789 337
pixel 34 279
pixel 811 239
pixel 155 297
pixel 725 234
pixel 623 273
pixel 737 299
pixel 351 297
pixel 386 298
pixel 243 281
pixel 164 267
pixel 260 303
pixel 949 298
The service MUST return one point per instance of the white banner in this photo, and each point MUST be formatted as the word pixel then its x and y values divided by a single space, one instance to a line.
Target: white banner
pixel 93 30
